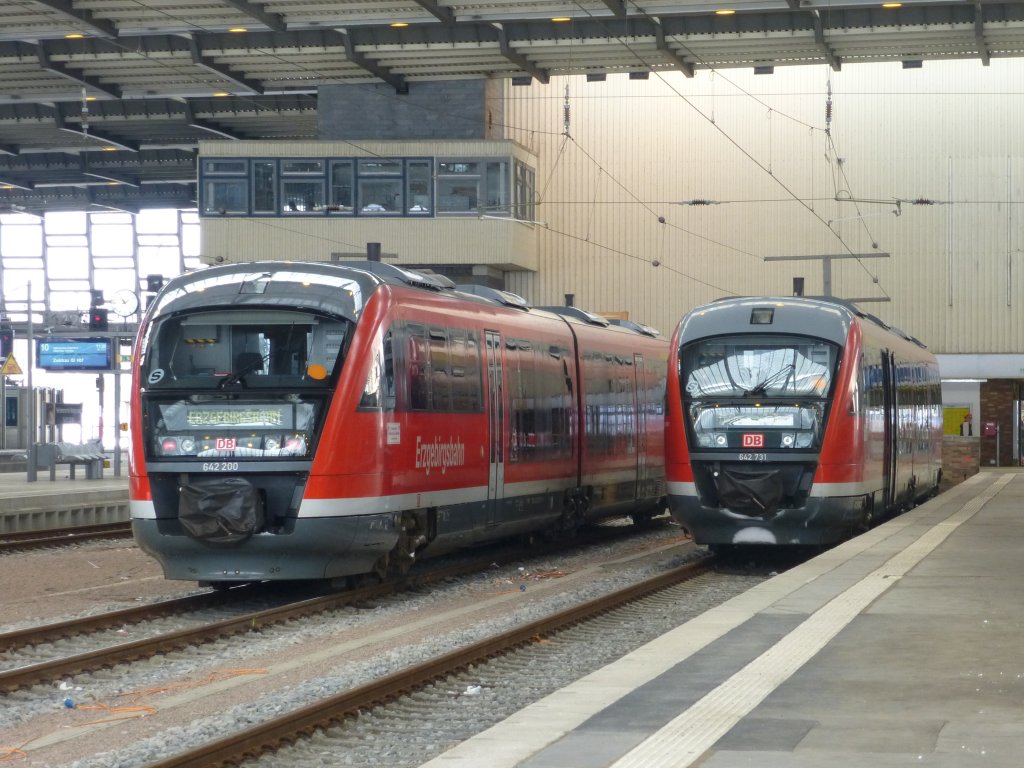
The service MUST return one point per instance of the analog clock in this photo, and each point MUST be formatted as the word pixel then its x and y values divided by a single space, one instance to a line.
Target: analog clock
pixel 125 303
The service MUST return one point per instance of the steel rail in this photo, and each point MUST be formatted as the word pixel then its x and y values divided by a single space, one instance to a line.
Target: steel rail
pixel 21 541
pixel 253 742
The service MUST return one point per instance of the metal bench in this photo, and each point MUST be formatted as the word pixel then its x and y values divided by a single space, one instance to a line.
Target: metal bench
pixel 90 455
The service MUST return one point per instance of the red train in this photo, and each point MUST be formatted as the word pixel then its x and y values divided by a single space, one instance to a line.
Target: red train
pixel 317 421
pixel 797 421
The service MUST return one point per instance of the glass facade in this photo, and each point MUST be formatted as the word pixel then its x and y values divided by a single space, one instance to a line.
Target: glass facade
pixel 65 256
pixel 367 186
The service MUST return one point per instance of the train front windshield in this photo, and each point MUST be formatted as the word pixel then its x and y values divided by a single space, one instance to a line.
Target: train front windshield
pixel 758 392
pixel 238 383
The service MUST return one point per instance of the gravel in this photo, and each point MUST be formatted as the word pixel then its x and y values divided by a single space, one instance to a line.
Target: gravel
pixel 196 695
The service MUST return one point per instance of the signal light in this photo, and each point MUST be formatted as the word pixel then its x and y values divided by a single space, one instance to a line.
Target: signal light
pixel 98 319
pixel 6 342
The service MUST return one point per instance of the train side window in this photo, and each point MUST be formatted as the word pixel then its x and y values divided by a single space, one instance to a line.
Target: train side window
pixel 474 380
pixel 440 371
pixel 519 364
pixel 417 367
pixel 462 371
pixel 389 373
pixel 379 390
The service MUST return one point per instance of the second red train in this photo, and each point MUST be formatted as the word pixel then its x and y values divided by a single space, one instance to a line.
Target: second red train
pixel 797 421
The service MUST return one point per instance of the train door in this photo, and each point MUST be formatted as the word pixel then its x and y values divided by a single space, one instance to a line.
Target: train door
pixel 495 424
pixel 640 406
pixel 891 408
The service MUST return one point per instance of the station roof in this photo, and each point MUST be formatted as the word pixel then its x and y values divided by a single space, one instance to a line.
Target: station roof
pixel 103 102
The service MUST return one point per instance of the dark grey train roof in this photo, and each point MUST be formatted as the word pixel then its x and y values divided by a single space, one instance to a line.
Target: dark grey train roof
pixel 337 287
pixel 819 316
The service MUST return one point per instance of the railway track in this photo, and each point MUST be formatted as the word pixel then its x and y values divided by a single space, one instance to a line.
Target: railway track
pixel 350 705
pixel 59 537
pixel 25 643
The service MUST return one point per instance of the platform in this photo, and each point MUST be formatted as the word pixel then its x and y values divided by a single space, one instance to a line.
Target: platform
pixel 901 647
pixel 45 503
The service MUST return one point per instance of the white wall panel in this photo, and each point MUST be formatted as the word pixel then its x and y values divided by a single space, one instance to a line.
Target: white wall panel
pixel 757 146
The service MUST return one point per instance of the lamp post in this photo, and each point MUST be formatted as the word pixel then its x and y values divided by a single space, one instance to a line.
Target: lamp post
pixel 32 471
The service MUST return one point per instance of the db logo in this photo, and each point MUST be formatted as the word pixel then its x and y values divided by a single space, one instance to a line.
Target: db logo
pixel 753 441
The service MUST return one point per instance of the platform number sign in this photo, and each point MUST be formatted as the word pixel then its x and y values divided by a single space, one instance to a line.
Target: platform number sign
pixel 753 440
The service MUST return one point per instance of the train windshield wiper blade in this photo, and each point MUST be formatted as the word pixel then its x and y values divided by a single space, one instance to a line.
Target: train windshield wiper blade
pixel 238 377
pixel 762 386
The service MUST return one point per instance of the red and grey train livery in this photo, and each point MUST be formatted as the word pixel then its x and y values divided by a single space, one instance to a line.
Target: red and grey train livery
pixel 318 421
pixel 797 421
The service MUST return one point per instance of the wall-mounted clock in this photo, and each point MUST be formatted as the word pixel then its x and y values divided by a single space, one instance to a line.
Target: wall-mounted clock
pixel 124 303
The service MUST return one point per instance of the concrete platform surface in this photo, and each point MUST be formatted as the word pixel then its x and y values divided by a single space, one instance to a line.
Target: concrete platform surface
pixel 61 502
pixel 902 647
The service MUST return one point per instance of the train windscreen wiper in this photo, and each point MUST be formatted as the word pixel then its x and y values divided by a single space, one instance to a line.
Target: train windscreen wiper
pixel 761 387
pixel 238 377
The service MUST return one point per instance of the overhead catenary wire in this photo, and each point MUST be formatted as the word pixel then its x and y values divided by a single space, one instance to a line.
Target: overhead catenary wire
pixel 725 134
pixel 566 109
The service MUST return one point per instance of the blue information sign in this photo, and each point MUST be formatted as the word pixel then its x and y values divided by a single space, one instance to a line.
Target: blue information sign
pixel 74 354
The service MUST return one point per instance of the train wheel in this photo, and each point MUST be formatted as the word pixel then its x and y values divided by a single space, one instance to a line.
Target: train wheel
pixel 642 519
pixel 573 515
pixel 868 518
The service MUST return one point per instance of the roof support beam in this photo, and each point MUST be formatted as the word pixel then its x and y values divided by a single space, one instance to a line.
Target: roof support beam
pixel 60 69
pixel 541 75
pixel 249 86
pixel 109 204
pixel 257 12
pixel 345 40
pixel 127 181
pixel 682 64
pixel 979 33
pixel 93 26
pixel 617 7
pixel 206 125
pixel 60 117
pixel 8 149
pixel 439 12
pixel 9 182
pixel 819 38
pixel 105 175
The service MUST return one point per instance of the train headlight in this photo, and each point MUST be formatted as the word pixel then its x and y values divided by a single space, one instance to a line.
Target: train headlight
pixel 788 438
pixel 712 440
pixel 804 439
pixel 271 443
pixel 296 445
pixel 187 445
pixel 168 446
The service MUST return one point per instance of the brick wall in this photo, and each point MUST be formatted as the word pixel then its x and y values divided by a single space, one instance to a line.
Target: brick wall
pixel 959 459
pixel 997 398
pixel 376 112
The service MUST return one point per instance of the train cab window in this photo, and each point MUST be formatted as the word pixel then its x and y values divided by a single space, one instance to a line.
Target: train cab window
pixel 772 389
pixel 243 349
pixel 759 366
